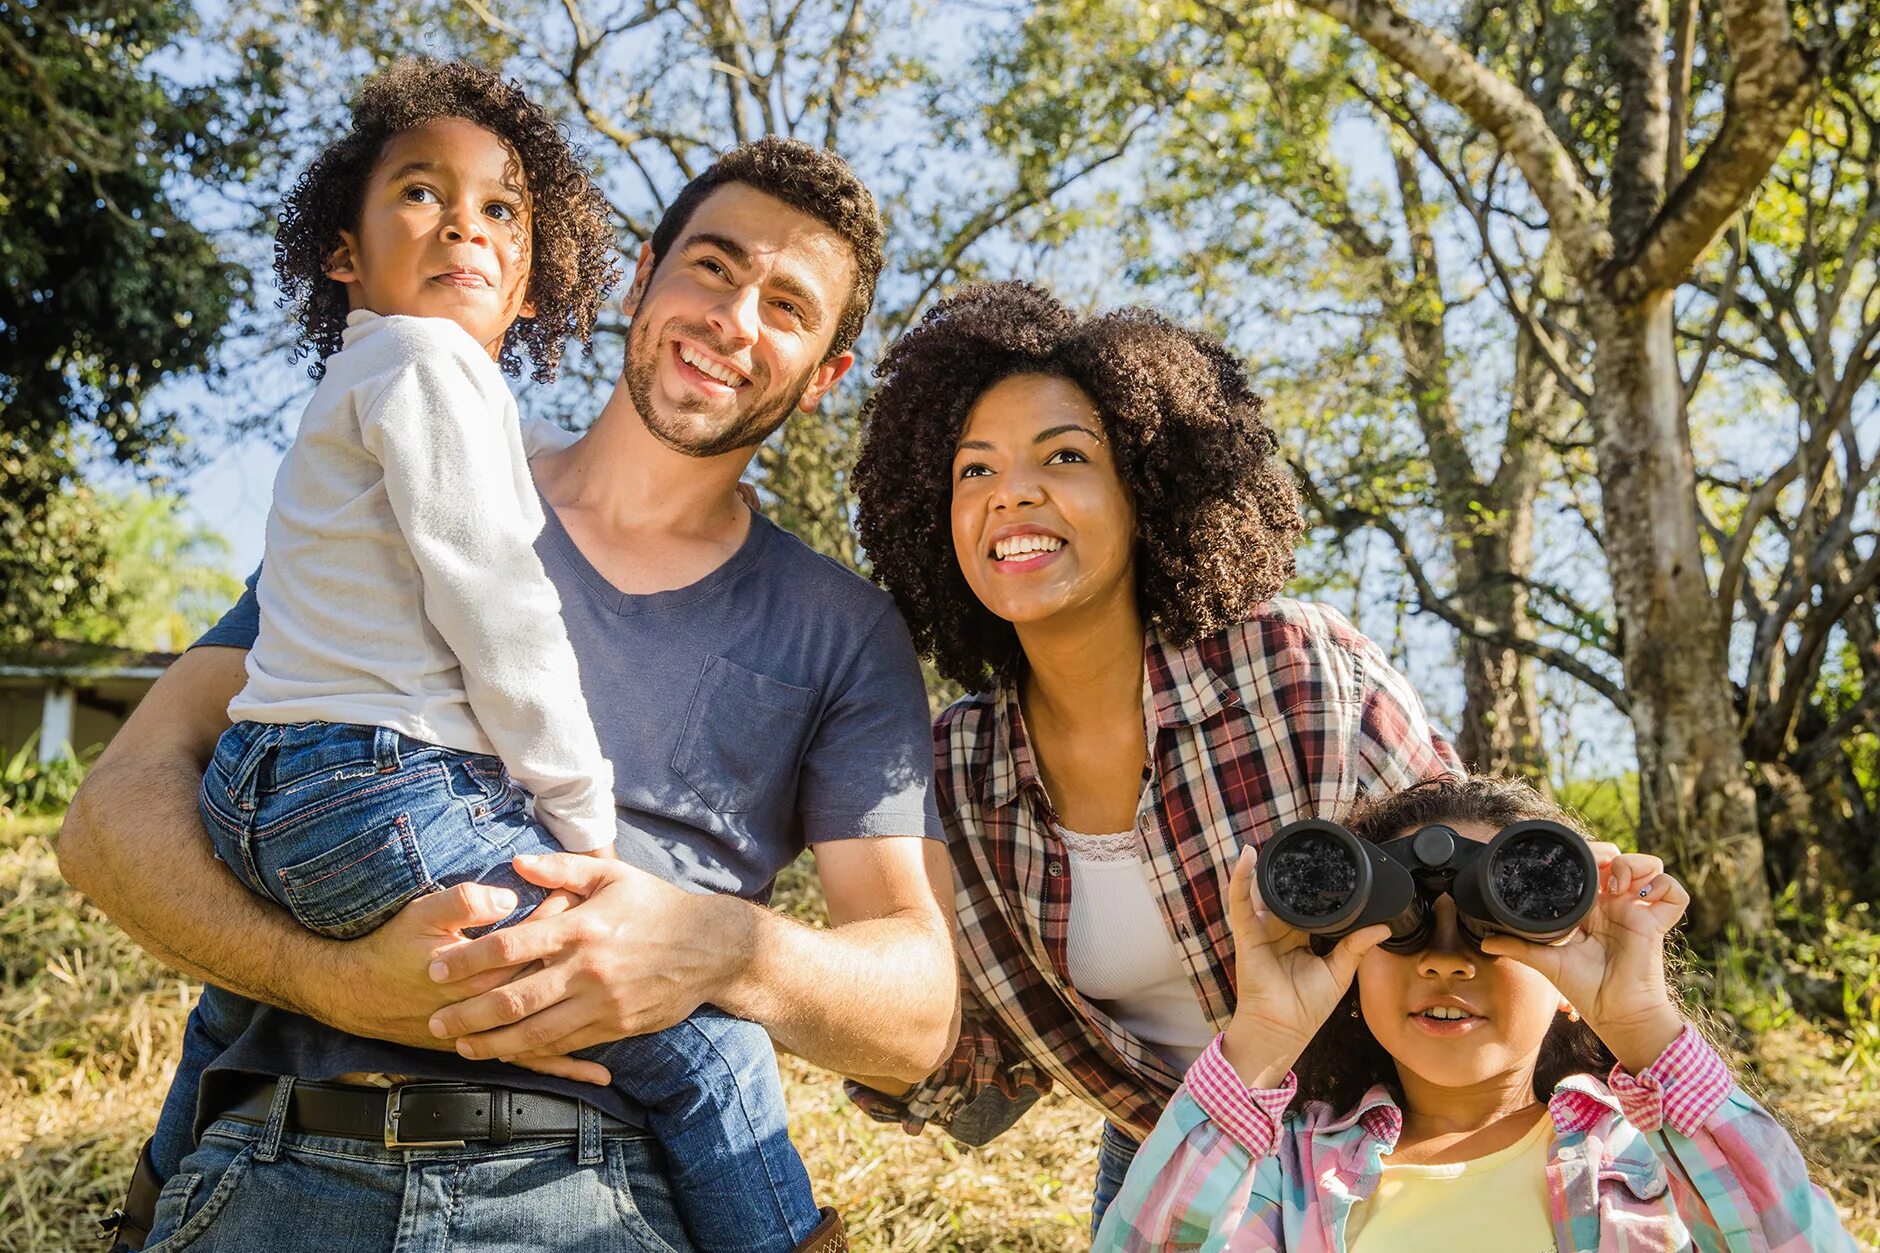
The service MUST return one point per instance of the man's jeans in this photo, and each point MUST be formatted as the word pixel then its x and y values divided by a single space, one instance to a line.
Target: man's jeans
pixel 246 1188
pixel 344 825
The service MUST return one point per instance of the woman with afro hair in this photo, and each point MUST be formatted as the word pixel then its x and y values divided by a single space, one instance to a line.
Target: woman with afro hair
pixel 1087 525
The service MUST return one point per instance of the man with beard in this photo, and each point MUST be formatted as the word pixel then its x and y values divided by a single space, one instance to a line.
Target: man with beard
pixel 753 698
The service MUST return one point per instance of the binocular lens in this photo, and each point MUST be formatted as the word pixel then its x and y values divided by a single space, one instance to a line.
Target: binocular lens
pixel 1540 877
pixel 1312 875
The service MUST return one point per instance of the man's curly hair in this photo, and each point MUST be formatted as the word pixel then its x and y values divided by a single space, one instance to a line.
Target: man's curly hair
pixel 1217 514
pixel 811 180
pixel 574 257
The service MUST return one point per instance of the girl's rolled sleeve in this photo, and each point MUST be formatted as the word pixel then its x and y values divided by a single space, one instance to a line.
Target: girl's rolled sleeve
pixel 1733 1171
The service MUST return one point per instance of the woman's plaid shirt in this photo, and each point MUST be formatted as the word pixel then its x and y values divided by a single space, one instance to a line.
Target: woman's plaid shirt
pixel 1291 714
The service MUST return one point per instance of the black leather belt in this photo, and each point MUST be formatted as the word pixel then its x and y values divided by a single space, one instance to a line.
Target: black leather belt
pixel 420 1115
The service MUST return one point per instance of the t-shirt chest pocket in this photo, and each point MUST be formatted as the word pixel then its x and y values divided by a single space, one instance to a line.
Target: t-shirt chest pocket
pixel 743 736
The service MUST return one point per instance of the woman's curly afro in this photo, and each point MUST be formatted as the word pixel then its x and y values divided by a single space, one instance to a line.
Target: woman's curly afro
pixel 1217 512
pixel 574 255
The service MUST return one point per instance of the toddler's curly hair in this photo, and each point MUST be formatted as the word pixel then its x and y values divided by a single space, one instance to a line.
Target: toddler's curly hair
pixel 574 256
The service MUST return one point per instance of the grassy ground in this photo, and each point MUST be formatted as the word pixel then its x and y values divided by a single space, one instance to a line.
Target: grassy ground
pixel 89 1025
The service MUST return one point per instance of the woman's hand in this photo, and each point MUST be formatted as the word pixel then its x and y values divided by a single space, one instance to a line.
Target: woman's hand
pixel 1612 969
pixel 1284 991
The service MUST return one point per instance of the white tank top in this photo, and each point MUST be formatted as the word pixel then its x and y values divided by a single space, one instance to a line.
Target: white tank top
pixel 1121 954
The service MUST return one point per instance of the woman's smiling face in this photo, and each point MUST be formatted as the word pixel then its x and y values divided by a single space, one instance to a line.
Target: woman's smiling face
pixel 1450 1015
pixel 1042 522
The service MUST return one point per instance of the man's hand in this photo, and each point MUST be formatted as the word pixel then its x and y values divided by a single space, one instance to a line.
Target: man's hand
pixel 628 959
pixel 379 985
pixel 389 994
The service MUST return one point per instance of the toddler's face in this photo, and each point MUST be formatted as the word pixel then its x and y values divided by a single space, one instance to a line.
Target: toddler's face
pixel 1451 1015
pixel 443 232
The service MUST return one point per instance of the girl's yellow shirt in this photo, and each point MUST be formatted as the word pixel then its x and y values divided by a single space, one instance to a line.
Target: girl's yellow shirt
pixel 1498 1201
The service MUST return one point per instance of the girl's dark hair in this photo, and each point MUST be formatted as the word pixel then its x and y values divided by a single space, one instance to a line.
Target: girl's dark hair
pixel 1217 513
pixel 573 258
pixel 1344 1059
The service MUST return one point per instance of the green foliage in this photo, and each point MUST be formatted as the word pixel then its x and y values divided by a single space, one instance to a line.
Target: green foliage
pixel 52 547
pixel 106 285
pixel 123 569
pixel 1824 968
pixel 1609 806
pixel 168 579
pixel 32 788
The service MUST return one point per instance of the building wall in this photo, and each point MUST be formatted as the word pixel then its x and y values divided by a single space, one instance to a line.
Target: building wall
pixel 22 704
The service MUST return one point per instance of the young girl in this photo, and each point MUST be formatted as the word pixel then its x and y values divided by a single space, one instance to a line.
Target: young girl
pixel 412 676
pixel 1513 1096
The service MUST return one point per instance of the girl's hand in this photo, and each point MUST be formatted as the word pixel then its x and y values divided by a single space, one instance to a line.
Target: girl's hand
pixel 1284 991
pixel 1612 969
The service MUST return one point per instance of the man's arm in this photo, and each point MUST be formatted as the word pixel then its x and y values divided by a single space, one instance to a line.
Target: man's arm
pixel 874 994
pixel 133 843
pixel 878 993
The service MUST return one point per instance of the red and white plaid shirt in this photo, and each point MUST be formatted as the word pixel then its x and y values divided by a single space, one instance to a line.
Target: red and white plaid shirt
pixel 1291 714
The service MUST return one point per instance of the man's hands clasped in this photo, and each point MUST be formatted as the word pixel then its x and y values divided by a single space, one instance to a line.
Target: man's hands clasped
pixel 623 959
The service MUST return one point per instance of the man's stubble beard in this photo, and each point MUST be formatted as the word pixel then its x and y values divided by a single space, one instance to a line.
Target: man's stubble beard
pixel 750 429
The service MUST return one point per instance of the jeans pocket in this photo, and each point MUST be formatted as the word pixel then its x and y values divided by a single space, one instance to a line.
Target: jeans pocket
pixel 191 1201
pixel 648 1218
pixel 743 732
pixel 355 886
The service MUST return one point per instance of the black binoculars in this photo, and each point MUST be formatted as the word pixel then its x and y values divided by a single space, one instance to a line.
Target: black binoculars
pixel 1536 880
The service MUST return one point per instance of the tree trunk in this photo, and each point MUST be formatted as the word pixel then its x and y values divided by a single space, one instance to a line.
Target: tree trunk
pixel 1501 721
pixel 1488 527
pixel 1697 808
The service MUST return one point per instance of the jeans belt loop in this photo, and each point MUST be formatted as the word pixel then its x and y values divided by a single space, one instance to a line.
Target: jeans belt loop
pixel 588 1134
pixel 244 783
pixel 385 749
pixel 270 1148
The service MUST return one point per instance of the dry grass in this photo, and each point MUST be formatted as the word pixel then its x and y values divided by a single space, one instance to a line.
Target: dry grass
pixel 89 1025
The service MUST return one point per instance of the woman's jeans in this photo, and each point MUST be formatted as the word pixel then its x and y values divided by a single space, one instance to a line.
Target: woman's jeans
pixel 1113 1158
pixel 344 825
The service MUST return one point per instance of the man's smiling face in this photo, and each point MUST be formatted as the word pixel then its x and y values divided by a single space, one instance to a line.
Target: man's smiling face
pixel 732 327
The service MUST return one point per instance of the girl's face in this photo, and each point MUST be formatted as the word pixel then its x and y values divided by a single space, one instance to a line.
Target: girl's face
pixel 1042 522
pixel 1506 1008
pixel 443 232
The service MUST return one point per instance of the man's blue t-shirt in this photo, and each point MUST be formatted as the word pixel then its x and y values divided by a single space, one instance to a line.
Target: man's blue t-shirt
pixel 773 704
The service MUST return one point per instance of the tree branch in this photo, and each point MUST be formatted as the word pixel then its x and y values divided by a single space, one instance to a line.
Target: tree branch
pixel 1478 211
pixel 1678 110
pixel 1768 91
pixel 1349 518
pixel 1492 103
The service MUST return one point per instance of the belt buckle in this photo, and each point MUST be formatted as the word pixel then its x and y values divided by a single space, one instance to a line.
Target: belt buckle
pixel 393 1111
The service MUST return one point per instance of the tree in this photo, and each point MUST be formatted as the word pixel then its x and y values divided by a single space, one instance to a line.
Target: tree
pixel 1247 220
pixel 168 578
pixel 1630 215
pixel 1795 304
pixel 109 287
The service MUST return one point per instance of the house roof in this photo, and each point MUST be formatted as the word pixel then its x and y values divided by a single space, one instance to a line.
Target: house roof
pixel 67 659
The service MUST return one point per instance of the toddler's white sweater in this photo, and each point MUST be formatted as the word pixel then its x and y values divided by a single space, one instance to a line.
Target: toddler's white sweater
pixel 400 586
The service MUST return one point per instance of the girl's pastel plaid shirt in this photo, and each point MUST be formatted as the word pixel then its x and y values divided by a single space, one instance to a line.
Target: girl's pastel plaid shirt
pixel 1290 714
pixel 1675 1158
